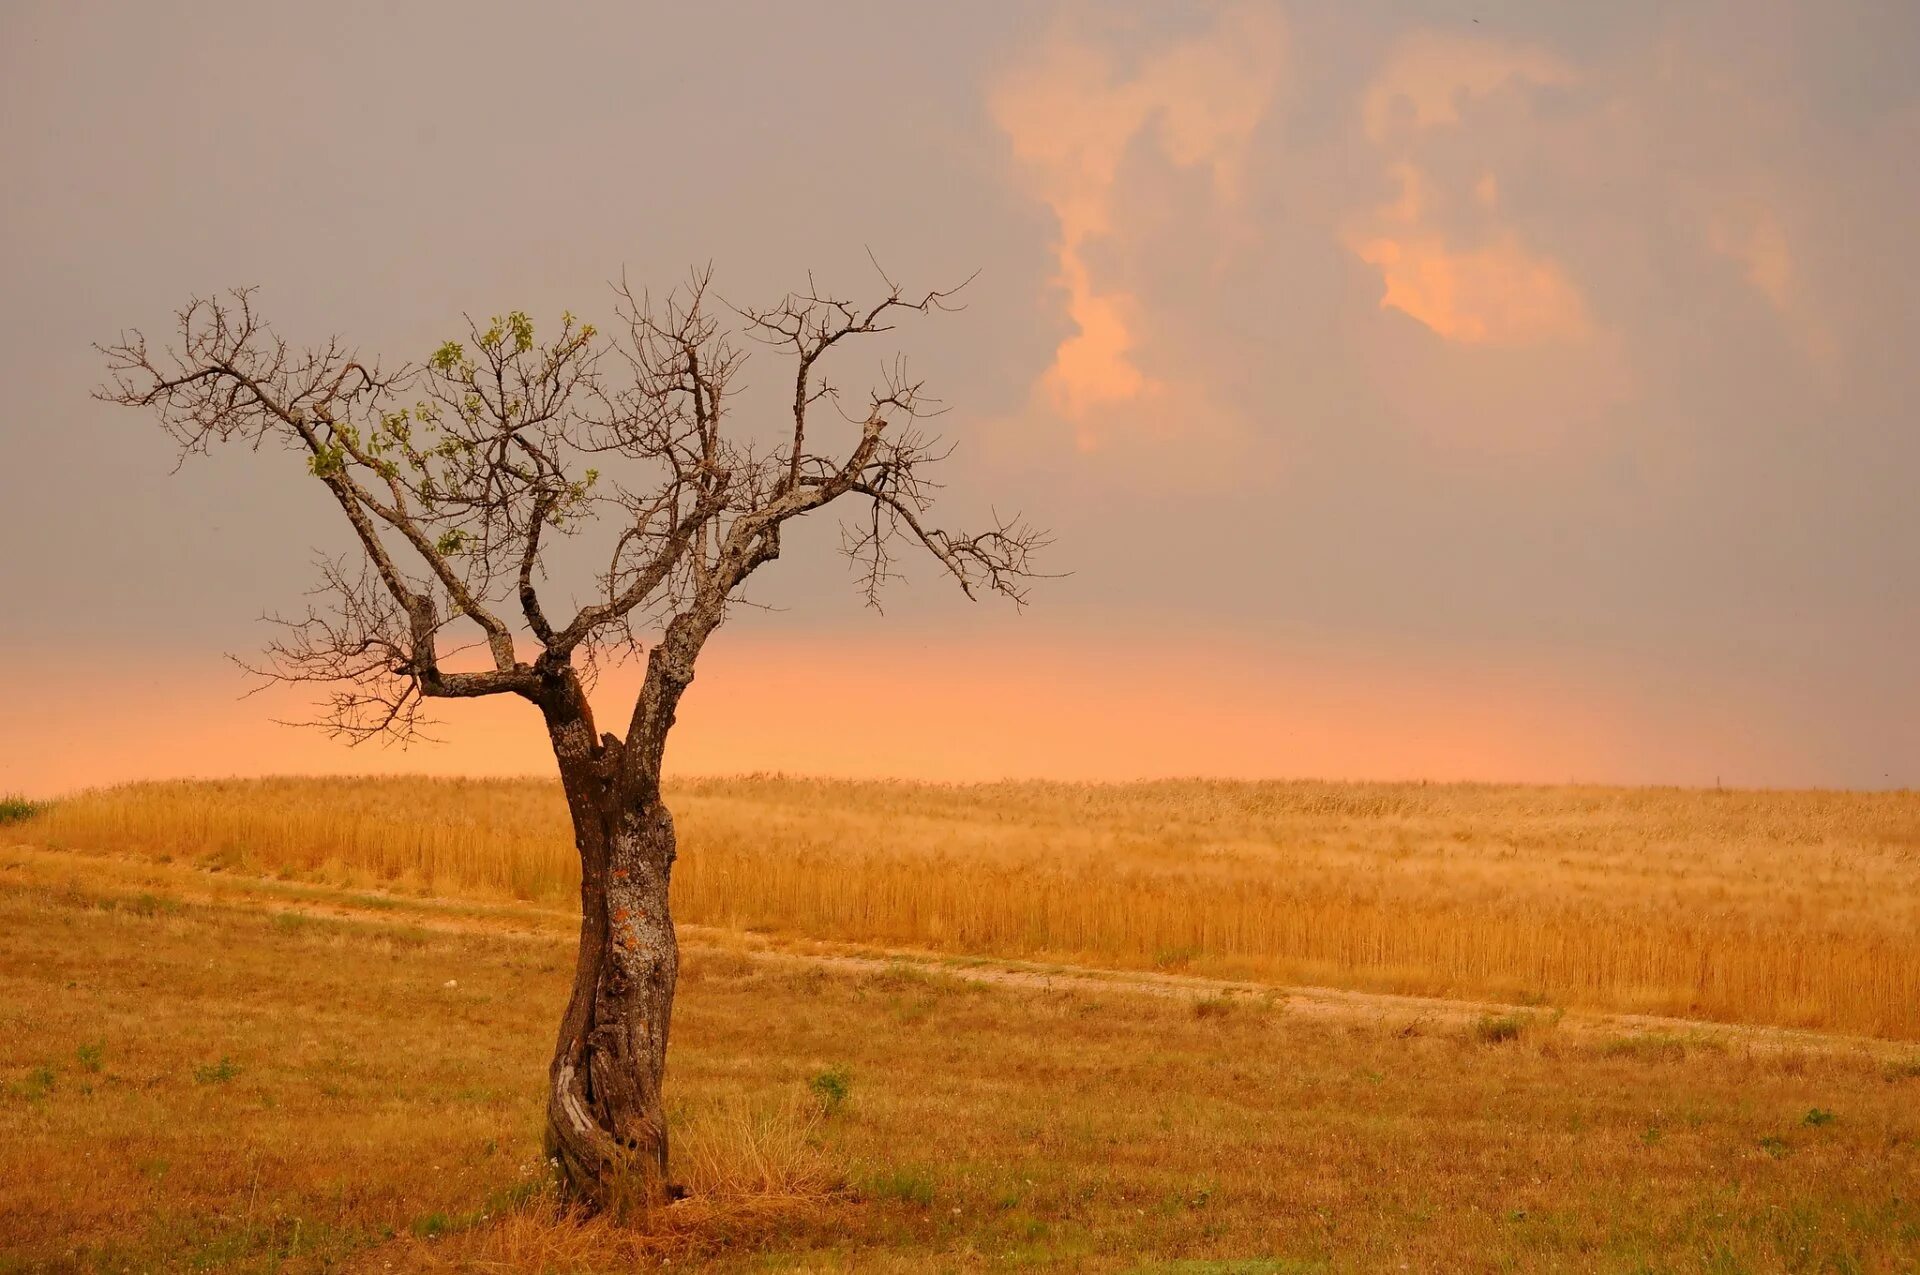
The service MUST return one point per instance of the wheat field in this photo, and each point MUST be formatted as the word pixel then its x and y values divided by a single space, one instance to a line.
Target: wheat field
pixel 1790 908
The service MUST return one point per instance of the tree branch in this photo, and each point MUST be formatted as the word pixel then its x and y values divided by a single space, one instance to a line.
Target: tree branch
pixel 466 469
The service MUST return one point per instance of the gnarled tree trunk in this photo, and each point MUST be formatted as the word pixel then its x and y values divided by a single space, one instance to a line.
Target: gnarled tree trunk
pixel 606 1127
pixel 605 1123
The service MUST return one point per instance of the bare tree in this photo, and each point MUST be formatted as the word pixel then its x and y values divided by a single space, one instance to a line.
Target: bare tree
pixel 459 475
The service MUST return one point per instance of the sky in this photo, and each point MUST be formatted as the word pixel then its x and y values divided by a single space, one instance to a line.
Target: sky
pixel 1440 389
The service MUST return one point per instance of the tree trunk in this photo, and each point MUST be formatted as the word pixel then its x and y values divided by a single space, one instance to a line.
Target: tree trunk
pixel 606 1128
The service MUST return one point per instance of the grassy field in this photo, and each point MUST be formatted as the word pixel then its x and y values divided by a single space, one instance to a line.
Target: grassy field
pixel 224 1071
pixel 1799 909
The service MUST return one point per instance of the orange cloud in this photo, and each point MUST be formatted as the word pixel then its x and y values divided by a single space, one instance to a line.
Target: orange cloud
pixel 1494 294
pixel 1072 116
pixel 1495 291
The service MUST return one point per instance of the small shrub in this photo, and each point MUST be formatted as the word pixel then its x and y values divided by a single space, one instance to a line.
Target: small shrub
pixel 833 1087
pixel 904 976
pixel 151 905
pixel 1499 1029
pixel 14 809
pixel 90 1056
pixel 1778 1148
pixel 1212 1007
pixel 1650 1047
pixel 1817 1116
pixel 37 1085
pixel 1174 958
pixel 218 1073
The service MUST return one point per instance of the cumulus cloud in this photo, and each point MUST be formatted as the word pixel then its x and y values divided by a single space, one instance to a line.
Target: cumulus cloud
pixel 1495 291
pixel 1447 258
pixel 1073 113
pixel 1505 243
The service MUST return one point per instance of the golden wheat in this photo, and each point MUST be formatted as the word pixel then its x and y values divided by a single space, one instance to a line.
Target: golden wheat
pixel 1792 908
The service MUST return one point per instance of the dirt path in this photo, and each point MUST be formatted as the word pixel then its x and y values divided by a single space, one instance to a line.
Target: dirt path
pixel 125 879
pixel 1409 1013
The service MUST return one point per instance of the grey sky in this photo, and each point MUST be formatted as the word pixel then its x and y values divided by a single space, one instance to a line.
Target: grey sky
pixel 1648 411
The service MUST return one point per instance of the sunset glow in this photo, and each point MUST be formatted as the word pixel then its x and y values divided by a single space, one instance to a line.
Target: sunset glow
pixel 1036 705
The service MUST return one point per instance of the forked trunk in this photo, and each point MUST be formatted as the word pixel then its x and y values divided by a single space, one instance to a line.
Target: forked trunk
pixel 606 1128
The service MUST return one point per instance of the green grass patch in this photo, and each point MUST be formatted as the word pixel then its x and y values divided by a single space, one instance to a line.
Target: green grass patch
pixel 903 1184
pixel 1499 1029
pixel 219 1073
pixel 832 1087
pixel 35 1085
pixel 1650 1047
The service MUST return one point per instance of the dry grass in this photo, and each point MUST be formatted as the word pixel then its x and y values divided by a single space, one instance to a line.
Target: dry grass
pixel 186 1085
pixel 1799 909
pixel 745 1146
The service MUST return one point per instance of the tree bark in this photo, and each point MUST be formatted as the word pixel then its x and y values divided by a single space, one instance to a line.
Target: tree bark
pixel 606 1127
